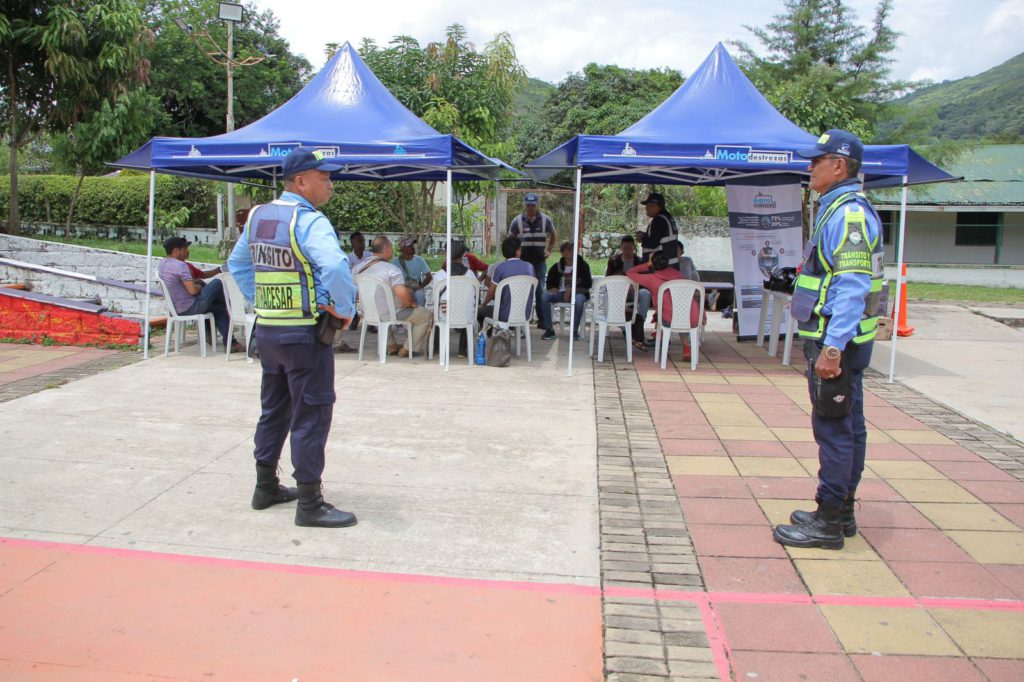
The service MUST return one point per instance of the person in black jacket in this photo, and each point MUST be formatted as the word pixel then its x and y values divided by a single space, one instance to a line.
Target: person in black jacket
pixel 559 288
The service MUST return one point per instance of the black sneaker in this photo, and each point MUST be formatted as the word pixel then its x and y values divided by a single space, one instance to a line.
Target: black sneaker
pixel 548 335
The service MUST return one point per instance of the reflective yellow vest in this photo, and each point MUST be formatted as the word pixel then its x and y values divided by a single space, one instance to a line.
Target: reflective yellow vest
pixel 856 253
pixel 284 278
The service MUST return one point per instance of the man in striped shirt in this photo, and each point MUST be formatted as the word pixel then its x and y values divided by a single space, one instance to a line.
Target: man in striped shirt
pixel 662 233
pixel 536 233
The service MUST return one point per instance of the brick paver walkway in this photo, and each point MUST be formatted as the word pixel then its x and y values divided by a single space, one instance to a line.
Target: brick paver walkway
pixel 931 589
pixel 26 369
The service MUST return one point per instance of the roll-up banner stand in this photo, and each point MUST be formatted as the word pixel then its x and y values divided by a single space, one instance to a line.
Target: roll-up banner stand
pixel 764 227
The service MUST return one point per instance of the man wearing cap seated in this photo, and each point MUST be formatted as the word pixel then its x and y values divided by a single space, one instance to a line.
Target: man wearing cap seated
pixel 191 295
pixel 536 233
pixel 380 265
pixel 415 270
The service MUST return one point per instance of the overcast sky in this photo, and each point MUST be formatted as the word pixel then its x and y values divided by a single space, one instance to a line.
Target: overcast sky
pixel 943 39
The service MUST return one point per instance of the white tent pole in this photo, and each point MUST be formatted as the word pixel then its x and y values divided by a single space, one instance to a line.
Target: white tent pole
pixel 575 257
pixel 497 193
pixel 448 269
pixel 149 267
pixel 899 279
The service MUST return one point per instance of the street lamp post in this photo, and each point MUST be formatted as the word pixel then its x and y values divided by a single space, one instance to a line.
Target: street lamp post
pixel 230 13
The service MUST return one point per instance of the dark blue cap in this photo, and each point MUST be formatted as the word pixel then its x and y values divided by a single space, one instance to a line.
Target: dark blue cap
pixel 836 141
pixel 530 198
pixel 654 198
pixel 304 159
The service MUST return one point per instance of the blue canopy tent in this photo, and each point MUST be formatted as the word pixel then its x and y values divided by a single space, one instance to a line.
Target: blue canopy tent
pixel 715 128
pixel 344 112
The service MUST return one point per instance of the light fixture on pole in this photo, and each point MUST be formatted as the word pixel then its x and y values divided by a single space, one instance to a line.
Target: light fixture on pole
pixel 230 13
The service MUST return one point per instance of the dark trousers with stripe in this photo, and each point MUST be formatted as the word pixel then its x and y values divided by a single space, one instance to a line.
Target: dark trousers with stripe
pixel 297 397
pixel 842 443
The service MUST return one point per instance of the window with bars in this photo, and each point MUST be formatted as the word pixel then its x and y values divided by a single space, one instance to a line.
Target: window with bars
pixel 977 229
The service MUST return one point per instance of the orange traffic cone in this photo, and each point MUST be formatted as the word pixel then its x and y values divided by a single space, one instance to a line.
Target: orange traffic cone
pixel 902 328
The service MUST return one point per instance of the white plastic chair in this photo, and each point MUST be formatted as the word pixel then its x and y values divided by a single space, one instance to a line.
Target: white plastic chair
pixel 610 296
pixel 237 312
pixel 176 325
pixel 461 293
pixel 681 292
pixel 522 289
pixel 383 320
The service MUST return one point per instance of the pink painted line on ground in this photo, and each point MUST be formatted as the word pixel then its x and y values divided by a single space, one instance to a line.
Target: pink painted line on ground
pixel 822 599
pixel 516 585
pixel 721 655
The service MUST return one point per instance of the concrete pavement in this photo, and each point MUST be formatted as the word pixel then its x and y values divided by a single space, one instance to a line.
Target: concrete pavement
pixel 963 359
pixel 514 524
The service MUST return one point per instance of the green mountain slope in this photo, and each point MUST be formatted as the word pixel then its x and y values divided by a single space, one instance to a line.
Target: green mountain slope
pixel 988 106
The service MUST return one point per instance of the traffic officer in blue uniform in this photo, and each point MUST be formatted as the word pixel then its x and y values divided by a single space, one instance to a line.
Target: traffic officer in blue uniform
pixel 289 264
pixel 836 305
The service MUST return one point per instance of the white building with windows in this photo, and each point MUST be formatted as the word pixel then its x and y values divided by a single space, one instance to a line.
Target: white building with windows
pixel 977 221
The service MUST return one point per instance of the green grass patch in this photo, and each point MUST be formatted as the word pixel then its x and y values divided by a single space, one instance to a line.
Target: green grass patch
pixel 963 293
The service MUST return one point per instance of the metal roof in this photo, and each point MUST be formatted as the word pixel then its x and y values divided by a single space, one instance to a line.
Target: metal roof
pixel 993 176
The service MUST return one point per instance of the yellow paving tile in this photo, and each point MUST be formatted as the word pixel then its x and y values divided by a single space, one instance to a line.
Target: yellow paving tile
pixel 739 380
pixel 904 469
pixel 991 547
pixel 918 437
pixel 931 491
pixel 845 576
pixel 730 365
pixel 964 516
pixel 714 379
pixel 701 466
pixel 732 417
pixel 876 436
pixel 882 630
pixel 798 394
pixel 666 376
pixel 718 398
pixel 797 434
pixel 744 433
pixel 854 549
pixel 985 634
pixel 768 466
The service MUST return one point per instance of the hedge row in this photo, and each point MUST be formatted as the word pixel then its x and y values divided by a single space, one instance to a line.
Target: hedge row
pixel 122 200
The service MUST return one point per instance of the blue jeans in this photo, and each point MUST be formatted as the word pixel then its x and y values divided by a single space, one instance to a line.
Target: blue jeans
pixel 556 297
pixel 540 271
pixel 842 443
pixel 211 300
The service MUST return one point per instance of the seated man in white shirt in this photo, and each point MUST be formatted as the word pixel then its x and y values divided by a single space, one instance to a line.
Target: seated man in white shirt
pixel 379 266
pixel 358 253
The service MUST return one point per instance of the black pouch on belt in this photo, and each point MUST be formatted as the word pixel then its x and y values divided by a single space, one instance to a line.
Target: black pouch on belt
pixel 832 398
pixel 326 327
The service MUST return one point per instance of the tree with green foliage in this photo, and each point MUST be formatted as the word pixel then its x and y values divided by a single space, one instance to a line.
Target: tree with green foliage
pixel 192 90
pixel 456 89
pixel 104 134
pixel 822 69
pixel 62 59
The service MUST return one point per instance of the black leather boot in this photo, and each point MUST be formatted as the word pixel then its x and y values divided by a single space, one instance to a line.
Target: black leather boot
pixel 269 490
pixel 824 530
pixel 312 511
pixel 848 520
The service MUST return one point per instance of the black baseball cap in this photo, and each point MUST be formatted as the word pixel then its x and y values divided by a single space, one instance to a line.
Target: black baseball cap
pixel 654 198
pixel 835 141
pixel 530 198
pixel 305 158
pixel 172 243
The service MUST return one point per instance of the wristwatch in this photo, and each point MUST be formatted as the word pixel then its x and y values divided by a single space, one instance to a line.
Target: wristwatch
pixel 832 353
